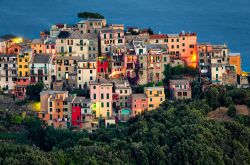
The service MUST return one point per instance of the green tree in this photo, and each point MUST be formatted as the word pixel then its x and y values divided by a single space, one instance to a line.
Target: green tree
pixel 33 91
pixel 86 15
pixel 231 111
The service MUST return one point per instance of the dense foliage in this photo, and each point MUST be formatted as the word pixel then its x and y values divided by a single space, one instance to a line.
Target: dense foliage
pixel 33 91
pixel 86 15
pixel 177 133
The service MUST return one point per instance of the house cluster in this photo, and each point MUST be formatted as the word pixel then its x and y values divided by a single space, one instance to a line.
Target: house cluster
pixel 107 60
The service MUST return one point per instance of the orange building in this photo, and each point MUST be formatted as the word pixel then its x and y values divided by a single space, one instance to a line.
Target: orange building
pixel 235 60
pixel 183 45
pixel 55 108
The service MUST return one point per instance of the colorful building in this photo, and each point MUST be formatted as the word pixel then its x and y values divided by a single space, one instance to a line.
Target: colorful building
pixel 91 25
pixel 180 89
pixel 139 103
pixel 235 60
pixel 76 114
pixel 103 67
pixel 101 98
pixel 109 37
pixel 183 45
pixel 55 108
pixel 23 71
pixel 155 95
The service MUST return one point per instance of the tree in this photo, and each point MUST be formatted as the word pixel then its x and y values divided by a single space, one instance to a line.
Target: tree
pixel 231 111
pixel 33 91
pixel 15 119
pixel 150 31
pixel 86 15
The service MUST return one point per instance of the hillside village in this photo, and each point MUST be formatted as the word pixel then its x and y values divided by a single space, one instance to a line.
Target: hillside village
pixel 93 71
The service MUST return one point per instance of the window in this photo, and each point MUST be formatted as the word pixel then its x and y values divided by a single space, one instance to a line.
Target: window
pixel 151 105
pixel 102 97
pixel 161 99
pixel 156 41
pixel 126 91
pixel 50 109
pixel 70 49
pixel 50 104
pixel 217 76
pixel 50 117
pixel 184 93
pixel 108 105
pixel 150 92
pixel 191 46
pixel 65 109
pixel 105 36
pixel 179 93
pixel 94 96
pixel 102 105
pixel 94 87
pixel 172 46
pixel 217 69
pixel 120 41
pixel 177 40
pixel 165 40
pixel 90 71
pixel 81 48
pixel 151 99
pixel 107 96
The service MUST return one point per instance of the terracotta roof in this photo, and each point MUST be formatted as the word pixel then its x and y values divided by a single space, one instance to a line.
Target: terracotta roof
pixel 158 36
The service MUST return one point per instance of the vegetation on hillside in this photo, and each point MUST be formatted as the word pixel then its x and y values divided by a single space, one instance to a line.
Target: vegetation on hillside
pixel 177 133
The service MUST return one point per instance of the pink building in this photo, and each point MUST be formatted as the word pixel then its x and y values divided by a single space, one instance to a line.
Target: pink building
pixel 139 103
pixel 101 98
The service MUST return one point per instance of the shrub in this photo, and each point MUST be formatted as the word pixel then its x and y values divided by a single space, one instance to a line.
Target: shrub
pixel 231 111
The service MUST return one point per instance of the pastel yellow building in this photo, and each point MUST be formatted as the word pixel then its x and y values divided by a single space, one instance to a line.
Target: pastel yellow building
pixel 23 72
pixel 23 60
pixel 235 60
pixel 155 96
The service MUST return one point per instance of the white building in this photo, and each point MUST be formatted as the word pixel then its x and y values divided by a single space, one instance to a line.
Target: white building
pixel 8 71
pixel 40 69
pixel 73 43
pixel 86 72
